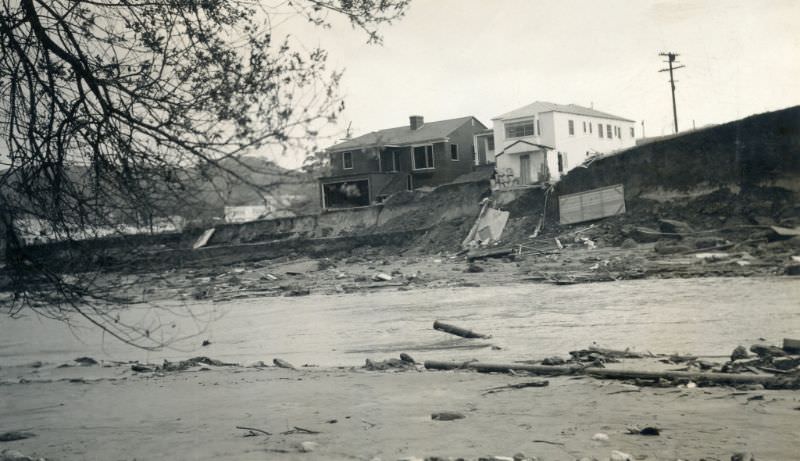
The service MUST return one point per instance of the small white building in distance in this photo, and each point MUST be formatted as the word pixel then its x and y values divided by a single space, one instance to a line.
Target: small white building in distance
pixel 542 141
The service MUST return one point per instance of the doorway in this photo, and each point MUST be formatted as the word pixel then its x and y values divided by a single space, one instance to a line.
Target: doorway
pixel 524 169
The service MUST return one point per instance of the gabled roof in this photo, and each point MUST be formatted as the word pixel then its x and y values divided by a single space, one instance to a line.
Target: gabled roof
pixel 404 135
pixel 522 141
pixel 543 106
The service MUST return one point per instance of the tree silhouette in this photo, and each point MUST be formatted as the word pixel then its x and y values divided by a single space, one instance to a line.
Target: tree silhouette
pixel 116 111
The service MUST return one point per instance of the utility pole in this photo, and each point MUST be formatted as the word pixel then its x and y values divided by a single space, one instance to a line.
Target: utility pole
pixel 670 60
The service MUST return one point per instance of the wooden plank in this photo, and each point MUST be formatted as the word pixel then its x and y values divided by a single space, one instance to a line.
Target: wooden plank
pixel 592 204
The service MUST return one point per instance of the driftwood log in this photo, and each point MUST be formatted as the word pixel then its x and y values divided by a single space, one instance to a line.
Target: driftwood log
pixel 770 382
pixel 504 367
pixel 458 331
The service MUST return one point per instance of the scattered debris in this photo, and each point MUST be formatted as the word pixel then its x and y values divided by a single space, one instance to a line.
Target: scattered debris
pixel 400 364
pixel 620 456
pixel 308 446
pixel 791 346
pixel 648 430
pixel 407 358
pixel 739 353
pixel 15 435
pixel 381 277
pixel 206 343
pixel 193 362
pixel 447 416
pixel 524 385
pixel 458 331
pixel 299 430
pixel 600 437
pixel 86 361
pixel 203 239
pixel 141 368
pixel 253 431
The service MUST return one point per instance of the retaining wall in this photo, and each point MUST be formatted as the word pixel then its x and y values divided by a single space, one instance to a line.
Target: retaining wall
pixel 758 151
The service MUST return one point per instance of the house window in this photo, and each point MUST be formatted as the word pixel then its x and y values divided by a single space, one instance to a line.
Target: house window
pixel 454 152
pixel 571 125
pixel 608 131
pixel 538 128
pixel 600 129
pixel 584 127
pixel 633 134
pixel 423 157
pixel 519 129
pixel 347 160
pixel 490 143
pixel 590 127
pixel 560 162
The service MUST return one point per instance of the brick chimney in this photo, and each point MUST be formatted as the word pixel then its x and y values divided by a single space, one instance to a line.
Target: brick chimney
pixel 416 121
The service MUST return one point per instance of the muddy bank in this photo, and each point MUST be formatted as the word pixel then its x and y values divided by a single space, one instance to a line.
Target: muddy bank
pixel 334 413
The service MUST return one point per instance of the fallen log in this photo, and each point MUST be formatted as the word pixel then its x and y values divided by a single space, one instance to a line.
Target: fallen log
pixel 458 331
pixel 549 370
pixel 490 253
pixel 769 382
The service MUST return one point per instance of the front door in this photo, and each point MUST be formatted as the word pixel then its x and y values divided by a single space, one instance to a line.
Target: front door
pixel 524 169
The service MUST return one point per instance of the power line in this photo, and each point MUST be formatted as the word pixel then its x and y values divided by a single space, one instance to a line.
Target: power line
pixel 671 60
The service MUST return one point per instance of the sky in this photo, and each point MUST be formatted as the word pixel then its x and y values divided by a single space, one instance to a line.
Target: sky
pixel 453 58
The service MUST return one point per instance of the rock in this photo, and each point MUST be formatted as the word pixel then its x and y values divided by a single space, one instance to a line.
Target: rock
pixel 36 364
pixel 742 456
pixel 474 268
pixel 308 447
pixel 86 361
pixel 650 431
pixel 600 437
pixel 629 243
pixel 764 351
pixel 620 456
pixel 280 363
pixel 140 368
pixel 791 346
pixel 739 353
pixel 447 416
pixel 206 343
pixel 553 361
pixel 381 277
pixel 407 358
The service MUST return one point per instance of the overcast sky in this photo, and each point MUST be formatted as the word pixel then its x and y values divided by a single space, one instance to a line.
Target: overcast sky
pixel 451 58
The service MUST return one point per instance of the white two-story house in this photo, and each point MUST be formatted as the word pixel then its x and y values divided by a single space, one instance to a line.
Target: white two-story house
pixel 541 141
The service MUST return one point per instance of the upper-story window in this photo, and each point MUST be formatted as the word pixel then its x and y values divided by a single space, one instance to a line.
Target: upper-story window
pixel 600 129
pixel 347 160
pixel 423 157
pixel 453 151
pixel 633 133
pixel 490 142
pixel 571 126
pixel 538 127
pixel 590 127
pixel 608 131
pixel 584 126
pixel 519 129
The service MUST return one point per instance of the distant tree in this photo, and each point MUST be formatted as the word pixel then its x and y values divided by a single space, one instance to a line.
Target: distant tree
pixel 113 111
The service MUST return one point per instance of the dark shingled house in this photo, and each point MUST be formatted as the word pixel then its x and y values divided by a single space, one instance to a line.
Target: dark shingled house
pixel 366 169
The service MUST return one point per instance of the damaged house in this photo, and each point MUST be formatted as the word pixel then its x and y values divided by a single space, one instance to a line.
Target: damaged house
pixel 367 169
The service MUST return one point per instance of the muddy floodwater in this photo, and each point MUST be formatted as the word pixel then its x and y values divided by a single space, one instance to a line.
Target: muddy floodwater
pixel 699 316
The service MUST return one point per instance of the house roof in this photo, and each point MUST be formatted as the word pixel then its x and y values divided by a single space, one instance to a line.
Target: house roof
pixel 403 135
pixel 543 106
pixel 510 149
